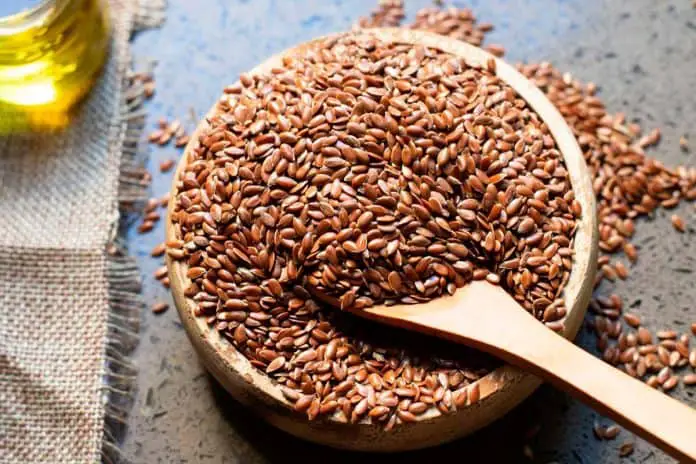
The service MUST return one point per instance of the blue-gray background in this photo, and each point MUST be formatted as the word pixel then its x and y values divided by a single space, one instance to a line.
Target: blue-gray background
pixel 641 53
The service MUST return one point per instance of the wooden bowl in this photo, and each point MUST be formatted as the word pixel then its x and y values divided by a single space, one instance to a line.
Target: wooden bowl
pixel 501 390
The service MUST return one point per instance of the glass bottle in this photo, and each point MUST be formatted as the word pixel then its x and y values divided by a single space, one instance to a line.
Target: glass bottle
pixel 51 53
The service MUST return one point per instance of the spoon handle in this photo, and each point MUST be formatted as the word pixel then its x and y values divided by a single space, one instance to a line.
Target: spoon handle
pixel 650 413
pixel 486 317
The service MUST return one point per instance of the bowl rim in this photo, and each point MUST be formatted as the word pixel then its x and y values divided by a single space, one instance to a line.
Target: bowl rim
pixel 222 359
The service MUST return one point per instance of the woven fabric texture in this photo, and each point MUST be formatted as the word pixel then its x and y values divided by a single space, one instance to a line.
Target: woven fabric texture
pixel 59 210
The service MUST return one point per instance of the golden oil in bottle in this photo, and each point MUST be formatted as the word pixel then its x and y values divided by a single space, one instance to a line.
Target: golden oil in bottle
pixel 51 53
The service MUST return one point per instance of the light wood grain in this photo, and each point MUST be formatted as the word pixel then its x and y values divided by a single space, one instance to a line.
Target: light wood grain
pixel 501 390
pixel 488 318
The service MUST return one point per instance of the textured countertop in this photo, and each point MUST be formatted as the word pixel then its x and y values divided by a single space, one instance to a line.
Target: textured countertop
pixel 641 53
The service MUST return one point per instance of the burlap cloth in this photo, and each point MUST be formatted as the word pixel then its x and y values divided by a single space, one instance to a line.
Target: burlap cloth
pixel 68 310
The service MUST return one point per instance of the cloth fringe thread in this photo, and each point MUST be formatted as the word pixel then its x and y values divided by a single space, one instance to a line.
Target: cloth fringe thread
pixel 123 275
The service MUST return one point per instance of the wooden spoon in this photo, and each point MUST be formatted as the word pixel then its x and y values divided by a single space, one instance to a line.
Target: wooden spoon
pixel 486 317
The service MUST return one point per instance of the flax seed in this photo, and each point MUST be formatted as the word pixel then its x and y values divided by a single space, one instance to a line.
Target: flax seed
pixel 626 449
pixel 145 226
pixel 166 165
pixel 678 223
pixel 160 307
pixel 158 250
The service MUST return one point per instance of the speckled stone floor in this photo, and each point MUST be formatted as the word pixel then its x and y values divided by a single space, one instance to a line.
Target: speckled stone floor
pixel 641 53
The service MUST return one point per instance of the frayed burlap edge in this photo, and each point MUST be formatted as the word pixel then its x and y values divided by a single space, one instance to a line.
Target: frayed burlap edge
pixel 123 276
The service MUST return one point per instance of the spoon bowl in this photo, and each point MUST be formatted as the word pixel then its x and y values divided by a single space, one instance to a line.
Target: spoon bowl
pixel 500 391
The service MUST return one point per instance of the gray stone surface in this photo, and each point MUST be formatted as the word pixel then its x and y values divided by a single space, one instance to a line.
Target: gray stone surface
pixel 642 54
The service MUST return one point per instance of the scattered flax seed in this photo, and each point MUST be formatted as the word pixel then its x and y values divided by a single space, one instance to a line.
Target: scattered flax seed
pixel 632 319
pixel 158 250
pixel 495 49
pixel 160 307
pixel 165 282
pixel 164 200
pixel 162 123
pixel 164 138
pixel 650 139
pixel 689 379
pixel 388 13
pixel 621 270
pixel 611 432
pixel 458 23
pixel 166 165
pixel 678 223
pixel 626 449
pixel 160 273
pixel 181 141
pixel 153 216
pixel 670 383
pixel 693 328
pixel 684 143
pixel 155 136
pixel 174 127
pixel 151 204
pixel 146 226
pixel 599 430
pixel 630 252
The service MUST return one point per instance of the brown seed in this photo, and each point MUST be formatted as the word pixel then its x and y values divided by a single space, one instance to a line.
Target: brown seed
pixel 670 383
pixel 494 49
pixel 166 165
pixel 632 319
pixel 195 272
pixel 176 253
pixel 644 336
pixel 621 270
pixel 683 142
pixel 599 430
pixel 666 334
pixel 181 141
pixel 678 223
pixel 153 137
pixel 145 226
pixel 158 250
pixel 689 379
pixel 160 272
pixel 626 449
pixel 611 432
pixel 159 307
pixel 152 216
pixel 395 281
pixel 276 364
